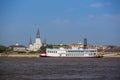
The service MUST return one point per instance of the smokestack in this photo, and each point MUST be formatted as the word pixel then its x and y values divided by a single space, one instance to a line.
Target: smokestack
pixel 85 43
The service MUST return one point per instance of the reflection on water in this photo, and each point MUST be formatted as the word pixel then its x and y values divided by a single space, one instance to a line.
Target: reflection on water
pixel 59 68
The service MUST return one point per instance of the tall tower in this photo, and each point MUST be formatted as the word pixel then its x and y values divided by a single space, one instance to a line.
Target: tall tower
pixel 30 41
pixel 30 45
pixel 44 42
pixel 38 34
pixel 85 43
pixel 38 42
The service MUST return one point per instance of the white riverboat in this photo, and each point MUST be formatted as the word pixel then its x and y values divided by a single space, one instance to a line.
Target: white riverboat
pixel 71 52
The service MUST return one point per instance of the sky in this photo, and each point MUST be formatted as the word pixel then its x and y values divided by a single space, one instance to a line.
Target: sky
pixel 66 21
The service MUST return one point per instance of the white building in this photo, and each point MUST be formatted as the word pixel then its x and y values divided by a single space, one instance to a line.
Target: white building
pixel 77 45
pixel 18 47
pixel 36 46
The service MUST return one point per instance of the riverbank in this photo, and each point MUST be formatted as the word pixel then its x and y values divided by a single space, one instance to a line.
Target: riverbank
pixel 19 55
pixel 113 55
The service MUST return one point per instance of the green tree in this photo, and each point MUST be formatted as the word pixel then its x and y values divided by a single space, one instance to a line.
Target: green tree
pixel 43 48
pixel 2 48
pixel 49 46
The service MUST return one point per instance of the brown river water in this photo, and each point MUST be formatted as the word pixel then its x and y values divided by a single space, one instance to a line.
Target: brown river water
pixel 59 68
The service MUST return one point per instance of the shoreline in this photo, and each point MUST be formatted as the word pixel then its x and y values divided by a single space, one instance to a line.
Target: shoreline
pixel 37 55
pixel 20 55
pixel 111 56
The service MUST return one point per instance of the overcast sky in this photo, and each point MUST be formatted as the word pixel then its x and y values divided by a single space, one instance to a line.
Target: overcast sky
pixel 68 21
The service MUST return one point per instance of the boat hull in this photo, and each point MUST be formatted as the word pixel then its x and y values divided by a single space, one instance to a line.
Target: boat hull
pixel 70 55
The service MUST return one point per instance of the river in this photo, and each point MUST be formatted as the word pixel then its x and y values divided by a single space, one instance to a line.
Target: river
pixel 59 68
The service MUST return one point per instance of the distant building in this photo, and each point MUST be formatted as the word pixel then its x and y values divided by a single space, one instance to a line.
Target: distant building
pixel 83 44
pixel 77 45
pixel 36 46
pixel 18 47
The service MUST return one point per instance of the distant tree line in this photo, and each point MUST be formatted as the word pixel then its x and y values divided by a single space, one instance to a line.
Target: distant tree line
pixel 43 48
pixel 4 49
pixel 63 46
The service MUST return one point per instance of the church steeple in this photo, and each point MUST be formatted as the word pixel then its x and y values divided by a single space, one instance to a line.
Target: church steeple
pixel 38 34
pixel 36 46
pixel 44 42
pixel 30 41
